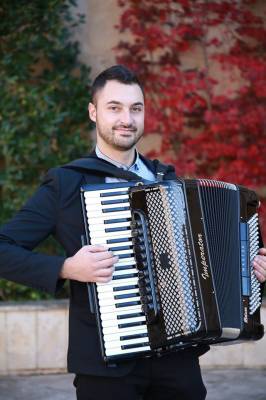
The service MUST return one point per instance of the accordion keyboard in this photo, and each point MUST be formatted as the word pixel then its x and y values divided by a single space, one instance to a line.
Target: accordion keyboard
pixel 123 322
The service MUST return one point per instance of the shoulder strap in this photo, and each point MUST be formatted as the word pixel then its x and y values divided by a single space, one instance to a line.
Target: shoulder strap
pixel 100 167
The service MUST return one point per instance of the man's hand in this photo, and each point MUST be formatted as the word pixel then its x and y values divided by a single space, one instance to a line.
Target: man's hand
pixel 259 265
pixel 90 264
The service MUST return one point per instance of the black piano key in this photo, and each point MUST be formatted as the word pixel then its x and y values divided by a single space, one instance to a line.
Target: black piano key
pixel 119 248
pixel 117 201
pixel 116 220
pixel 117 277
pixel 108 194
pixel 127 255
pixel 126 296
pixel 117 229
pixel 128 287
pixel 114 209
pixel 118 240
pixel 132 315
pixel 124 267
pixel 136 336
pixel 131 324
pixel 128 304
pixel 134 346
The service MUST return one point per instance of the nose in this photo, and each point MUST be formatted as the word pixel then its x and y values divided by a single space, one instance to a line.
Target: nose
pixel 126 117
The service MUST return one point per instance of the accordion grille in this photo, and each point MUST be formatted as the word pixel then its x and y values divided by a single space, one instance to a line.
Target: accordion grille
pixel 172 258
pixel 253 230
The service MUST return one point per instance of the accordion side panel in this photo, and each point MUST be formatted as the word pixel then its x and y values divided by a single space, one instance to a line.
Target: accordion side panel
pixel 251 288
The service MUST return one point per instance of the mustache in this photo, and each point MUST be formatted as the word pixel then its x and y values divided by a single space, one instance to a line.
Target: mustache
pixel 129 127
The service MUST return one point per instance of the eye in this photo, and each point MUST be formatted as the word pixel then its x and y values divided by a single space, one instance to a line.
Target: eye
pixel 137 109
pixel 114 108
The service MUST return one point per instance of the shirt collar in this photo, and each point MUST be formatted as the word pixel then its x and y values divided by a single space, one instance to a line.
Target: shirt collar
pixel 133 167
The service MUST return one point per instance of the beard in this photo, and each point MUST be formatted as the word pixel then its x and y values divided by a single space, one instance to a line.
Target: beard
pixel 120 137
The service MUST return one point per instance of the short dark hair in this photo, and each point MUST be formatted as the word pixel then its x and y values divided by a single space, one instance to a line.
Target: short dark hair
pixel 118 73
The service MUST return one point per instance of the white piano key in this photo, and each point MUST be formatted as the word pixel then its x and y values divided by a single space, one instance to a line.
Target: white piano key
pixel 93 218
pixel 112 308
pixel 118 274
pixel 101 226
pixel 130 252
pixel 105 302
pixel 114 283
pixel 123 313
pixel 109 337
pixel 95 206
pixel 119 351
pixel 116 323
pixel 119 244
pixel 105 215
pixel 124 242
pixel 115 316
pixel 115 343
pixel 106 287
pixel 125 261
pixel 111 294
pixel 98 199
pixel 111 235
pixel 114 330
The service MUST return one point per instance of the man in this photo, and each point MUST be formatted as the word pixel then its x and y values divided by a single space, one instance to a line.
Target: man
pixel 117 108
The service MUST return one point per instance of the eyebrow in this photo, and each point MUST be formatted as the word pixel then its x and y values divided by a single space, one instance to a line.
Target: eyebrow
pixel 139 103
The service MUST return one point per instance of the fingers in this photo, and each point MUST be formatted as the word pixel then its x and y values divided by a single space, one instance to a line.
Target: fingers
pixel 95 248
pixel 260 276
pixel 259 265
pixel 98 252
pixel 104 261
pixel 107 262
pixel 262 251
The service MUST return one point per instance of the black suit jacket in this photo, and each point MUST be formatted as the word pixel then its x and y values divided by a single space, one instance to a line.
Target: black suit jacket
pixel 55 209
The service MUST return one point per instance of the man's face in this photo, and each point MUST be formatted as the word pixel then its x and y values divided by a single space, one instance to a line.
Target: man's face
pixel 118 111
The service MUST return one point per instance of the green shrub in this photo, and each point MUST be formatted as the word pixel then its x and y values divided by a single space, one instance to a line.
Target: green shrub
pixel 43 103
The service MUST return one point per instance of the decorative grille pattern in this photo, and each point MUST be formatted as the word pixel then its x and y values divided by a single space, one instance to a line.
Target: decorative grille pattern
pixel 176 283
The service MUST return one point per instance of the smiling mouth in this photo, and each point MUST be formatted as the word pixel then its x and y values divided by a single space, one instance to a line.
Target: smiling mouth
pixel 125 129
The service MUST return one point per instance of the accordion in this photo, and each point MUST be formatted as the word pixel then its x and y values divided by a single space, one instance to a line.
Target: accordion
pixel 184 274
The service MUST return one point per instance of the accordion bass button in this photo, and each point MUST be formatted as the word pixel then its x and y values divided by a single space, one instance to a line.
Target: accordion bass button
pixel 134 233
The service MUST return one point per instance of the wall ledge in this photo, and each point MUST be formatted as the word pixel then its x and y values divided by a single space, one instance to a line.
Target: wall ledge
pixel 34 339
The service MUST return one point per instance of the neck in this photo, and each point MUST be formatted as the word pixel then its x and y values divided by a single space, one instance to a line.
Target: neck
pixel 126 157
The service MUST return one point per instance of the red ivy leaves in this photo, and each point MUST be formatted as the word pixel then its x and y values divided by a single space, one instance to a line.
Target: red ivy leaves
pixel 204 69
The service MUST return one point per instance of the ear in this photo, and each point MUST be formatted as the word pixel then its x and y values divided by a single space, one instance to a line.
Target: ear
pixel 92 112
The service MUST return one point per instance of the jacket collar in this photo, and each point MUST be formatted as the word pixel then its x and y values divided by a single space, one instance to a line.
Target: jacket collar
pixel 92 164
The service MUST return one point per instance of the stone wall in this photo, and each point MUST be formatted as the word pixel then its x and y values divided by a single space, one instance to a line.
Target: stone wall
pixel 33 339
